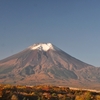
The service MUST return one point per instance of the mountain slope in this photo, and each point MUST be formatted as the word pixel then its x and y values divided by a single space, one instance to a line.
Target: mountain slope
pixel 46 64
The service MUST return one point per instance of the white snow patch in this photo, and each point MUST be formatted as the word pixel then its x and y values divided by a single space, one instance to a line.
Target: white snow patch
pixel 43 46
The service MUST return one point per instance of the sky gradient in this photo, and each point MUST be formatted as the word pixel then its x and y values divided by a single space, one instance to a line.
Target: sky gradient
pixel 72 25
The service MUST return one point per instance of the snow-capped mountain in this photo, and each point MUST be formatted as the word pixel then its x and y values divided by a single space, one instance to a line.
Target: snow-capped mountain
pixel 44 63
pixel 43 47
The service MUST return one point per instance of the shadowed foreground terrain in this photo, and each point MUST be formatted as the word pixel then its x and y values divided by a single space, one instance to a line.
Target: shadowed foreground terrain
pixel 44 92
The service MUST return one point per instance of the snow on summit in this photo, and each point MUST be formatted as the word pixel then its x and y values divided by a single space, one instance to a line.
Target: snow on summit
pixel 42 46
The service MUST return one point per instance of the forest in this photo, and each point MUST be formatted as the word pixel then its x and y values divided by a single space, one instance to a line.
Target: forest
pixel 45 92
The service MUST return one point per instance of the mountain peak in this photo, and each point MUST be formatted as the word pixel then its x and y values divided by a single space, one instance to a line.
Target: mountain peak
pixel 44 63
pixel 43 46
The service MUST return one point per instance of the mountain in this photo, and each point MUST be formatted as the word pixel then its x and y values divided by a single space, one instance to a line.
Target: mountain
pixel 44 63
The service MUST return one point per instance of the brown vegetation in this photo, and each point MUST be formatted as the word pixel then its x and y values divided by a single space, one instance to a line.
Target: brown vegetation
pixel 44 92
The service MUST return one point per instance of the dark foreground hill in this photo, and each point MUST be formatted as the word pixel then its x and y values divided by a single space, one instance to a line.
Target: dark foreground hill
pixel 46 64
pixel 44 92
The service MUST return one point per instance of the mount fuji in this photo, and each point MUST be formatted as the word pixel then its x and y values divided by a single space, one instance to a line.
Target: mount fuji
pixel 44 63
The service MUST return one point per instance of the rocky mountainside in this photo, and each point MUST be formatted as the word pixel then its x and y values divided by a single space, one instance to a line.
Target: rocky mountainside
pixel 44 63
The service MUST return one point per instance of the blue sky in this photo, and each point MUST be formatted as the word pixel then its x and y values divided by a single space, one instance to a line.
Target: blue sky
pixel 72 25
